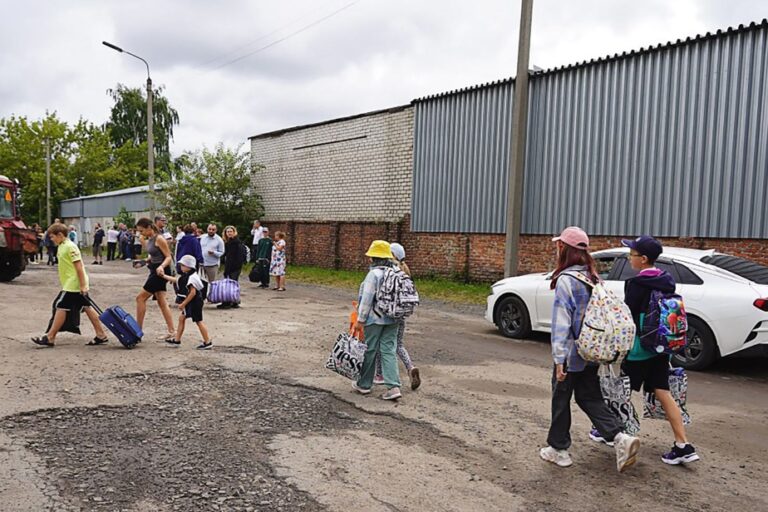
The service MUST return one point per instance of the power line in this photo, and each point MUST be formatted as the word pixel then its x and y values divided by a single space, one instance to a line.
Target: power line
pixel 262 37
pixel 297 32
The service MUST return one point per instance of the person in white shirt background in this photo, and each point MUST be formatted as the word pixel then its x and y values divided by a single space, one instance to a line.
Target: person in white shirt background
pixel 112 235
pixel 258 233
pixel 213 249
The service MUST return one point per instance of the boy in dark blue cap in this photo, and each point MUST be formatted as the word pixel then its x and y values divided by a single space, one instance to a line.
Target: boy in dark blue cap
pixel 646 368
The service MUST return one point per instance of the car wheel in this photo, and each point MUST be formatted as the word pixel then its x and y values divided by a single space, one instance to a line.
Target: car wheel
pixel 701 350
pixel 512 318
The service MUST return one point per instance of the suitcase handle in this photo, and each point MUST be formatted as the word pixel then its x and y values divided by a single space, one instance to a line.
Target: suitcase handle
pixel 93 304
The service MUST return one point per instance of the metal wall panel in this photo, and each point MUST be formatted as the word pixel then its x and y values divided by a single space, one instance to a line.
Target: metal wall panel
pixel 71 208
pixel 671 141
pixel 106 206
pixel 461 150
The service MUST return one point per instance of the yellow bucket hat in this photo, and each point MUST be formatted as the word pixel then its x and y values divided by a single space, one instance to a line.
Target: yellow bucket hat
pixel 379 249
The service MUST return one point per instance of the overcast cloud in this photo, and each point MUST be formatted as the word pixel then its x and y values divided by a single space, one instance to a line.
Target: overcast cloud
pixel 374 54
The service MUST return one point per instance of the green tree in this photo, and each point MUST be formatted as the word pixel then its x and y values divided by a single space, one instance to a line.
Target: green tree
pixel 125 217
pixel 213 186
pixel 22 156
pixel 128 122
pixel 83 161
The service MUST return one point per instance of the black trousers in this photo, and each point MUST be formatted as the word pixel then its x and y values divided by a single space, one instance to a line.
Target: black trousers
pixel 111 246
pixel 585 385
pixel 263 265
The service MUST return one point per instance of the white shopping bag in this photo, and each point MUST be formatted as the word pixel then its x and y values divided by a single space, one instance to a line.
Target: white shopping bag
pixel 347 356
pixel 678 386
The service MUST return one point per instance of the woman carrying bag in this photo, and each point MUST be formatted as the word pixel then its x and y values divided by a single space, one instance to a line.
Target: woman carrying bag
pixel 234 259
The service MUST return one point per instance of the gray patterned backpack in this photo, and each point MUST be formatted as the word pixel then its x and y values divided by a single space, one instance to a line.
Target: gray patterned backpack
pixel 397 296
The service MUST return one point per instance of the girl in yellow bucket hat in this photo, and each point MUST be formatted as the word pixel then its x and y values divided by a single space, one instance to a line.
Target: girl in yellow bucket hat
pixel 377 330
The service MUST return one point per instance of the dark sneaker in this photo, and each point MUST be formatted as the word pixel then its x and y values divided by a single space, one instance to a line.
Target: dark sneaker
pixel 415 378
pixel 595 435
pixel 205 346
pixel 223 306
pixel 173 342
pixel 680 455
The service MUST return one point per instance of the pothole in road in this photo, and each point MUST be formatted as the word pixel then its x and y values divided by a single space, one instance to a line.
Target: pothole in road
pixel 203 441
pixel 201 446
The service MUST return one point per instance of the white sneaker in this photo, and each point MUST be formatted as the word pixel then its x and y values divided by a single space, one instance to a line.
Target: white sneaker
pixel 558 457
pixel 360 390
pixel 392 394
pixel 626 451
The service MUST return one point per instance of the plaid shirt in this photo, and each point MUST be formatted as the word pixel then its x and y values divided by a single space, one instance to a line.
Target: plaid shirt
pixel 571 299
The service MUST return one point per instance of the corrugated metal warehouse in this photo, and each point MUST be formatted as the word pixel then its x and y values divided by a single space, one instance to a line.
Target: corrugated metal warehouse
pixel 670 140
pixel 684 126
pixel 84 212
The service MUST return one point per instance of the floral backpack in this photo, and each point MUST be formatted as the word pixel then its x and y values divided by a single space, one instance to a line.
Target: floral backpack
pixel 665 327
pixel 608 331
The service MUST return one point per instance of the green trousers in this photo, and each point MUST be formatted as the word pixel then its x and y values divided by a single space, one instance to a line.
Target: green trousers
pixel 381 339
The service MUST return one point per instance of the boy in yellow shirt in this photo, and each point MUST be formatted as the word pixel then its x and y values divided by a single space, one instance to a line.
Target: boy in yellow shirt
pixel 74 286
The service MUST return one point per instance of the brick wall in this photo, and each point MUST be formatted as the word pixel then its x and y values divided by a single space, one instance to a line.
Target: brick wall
pixel 356 169
pixel 474 257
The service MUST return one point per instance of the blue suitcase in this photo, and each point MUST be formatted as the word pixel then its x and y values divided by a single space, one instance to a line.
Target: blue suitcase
pixel 121 324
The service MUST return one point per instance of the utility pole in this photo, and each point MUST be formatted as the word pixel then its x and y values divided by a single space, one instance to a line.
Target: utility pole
pixel 517 147
pixel 150 137
pixel 150 148
pixel 48 181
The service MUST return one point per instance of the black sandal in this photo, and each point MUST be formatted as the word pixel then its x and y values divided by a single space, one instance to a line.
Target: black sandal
pixel 42 341
pixel 97 341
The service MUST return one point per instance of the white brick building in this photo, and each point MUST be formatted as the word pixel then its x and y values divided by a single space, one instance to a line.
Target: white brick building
pixel 353 169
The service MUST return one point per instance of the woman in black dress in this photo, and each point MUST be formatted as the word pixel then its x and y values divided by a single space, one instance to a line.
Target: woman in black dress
pixel 234 258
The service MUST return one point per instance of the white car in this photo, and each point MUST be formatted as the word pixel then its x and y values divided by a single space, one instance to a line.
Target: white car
pixel 726 299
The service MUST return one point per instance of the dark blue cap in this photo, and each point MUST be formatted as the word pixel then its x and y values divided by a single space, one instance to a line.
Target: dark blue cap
pixel 645 246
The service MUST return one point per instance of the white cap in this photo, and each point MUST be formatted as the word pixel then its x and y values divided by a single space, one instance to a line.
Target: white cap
pixel 188 261
pixel 398 251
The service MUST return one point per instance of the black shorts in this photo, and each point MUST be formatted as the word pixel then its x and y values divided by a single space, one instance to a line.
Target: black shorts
pixel 194 311
pixel 154 282
pixel 650 373
pixel 72 301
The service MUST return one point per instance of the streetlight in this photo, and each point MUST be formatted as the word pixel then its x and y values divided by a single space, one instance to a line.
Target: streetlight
pixel 150 138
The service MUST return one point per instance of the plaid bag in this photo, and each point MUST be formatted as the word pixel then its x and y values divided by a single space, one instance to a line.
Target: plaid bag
pixel 617 393
pixel 347 356
pixel 224 290
pixel 678 386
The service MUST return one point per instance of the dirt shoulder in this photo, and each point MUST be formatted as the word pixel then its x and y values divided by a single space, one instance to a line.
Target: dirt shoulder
pixel 259 423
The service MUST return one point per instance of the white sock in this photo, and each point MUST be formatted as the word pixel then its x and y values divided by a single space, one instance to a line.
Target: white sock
pixel 681 445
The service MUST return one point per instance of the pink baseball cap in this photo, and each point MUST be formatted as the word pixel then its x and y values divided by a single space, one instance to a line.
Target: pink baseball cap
pixel 573 236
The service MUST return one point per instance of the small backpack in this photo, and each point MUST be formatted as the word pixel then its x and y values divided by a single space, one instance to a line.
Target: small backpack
pixel 396 296
pixel 608 330
pixel 665 327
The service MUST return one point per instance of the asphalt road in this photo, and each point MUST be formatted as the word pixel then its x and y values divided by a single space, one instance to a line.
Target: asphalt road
pixel 259 423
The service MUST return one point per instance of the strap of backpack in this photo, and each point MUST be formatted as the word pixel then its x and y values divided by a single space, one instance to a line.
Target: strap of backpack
pixel 580 277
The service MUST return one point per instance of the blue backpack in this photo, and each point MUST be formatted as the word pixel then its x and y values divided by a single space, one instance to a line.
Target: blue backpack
pixel 665 327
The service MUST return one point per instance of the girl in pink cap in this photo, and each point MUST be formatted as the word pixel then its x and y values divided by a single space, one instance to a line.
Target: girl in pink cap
pixel 572 375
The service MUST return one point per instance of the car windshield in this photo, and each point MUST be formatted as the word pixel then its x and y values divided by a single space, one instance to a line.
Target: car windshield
pixel 743 268
pixel 6 203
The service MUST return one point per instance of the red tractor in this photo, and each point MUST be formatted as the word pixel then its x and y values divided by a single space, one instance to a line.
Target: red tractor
pixel 17 242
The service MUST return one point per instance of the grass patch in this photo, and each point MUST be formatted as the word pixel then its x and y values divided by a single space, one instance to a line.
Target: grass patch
pixel 438 288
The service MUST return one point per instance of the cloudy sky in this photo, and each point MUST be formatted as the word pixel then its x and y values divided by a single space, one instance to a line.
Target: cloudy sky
pixel 371 54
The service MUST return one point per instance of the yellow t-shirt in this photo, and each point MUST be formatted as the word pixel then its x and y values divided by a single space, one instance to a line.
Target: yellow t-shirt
pixel 68 254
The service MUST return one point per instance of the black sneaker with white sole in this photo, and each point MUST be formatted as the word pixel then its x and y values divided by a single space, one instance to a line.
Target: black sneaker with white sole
pixel 680 455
